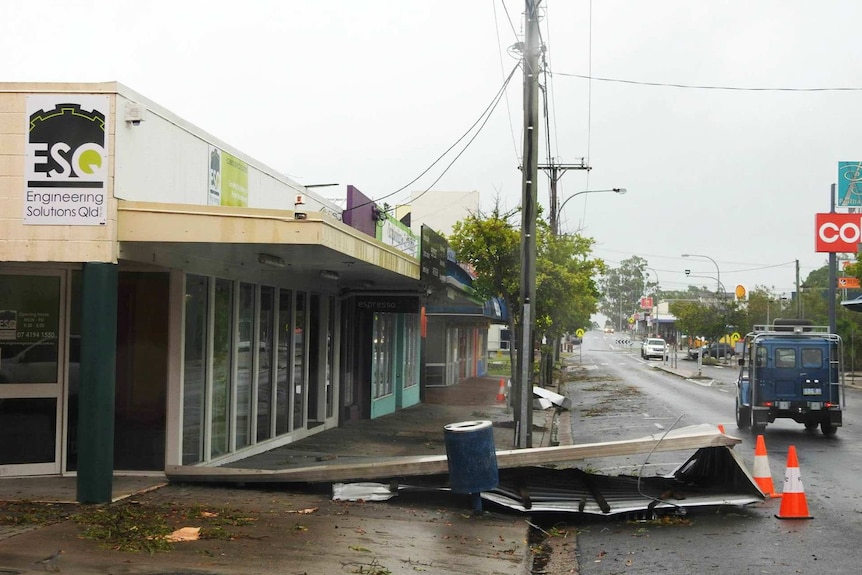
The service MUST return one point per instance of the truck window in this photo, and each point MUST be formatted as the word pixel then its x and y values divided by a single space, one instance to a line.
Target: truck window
pixel 812 357
pixel 785 357
pixel 760 360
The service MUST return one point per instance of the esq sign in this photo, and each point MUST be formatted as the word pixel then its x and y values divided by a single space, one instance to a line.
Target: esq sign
pixel 837 232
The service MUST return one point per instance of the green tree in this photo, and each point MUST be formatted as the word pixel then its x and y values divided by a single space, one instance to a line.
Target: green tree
pixel 707 316
pixel 491 244
pixel 622 288
pixel 566 294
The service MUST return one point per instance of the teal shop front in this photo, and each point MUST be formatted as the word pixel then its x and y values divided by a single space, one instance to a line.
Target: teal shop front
pixel 381 356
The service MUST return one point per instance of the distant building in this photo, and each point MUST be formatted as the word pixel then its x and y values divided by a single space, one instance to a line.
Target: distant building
pixel 439 210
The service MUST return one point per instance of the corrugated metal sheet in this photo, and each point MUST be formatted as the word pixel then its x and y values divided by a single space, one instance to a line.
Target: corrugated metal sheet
pixel 713 476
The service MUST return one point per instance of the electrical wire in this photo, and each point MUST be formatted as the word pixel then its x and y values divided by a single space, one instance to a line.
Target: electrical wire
pixel 509 17
pixel 481 121
pixel 503 71
pixel 706 87
pixel 470 141
pixel 550 85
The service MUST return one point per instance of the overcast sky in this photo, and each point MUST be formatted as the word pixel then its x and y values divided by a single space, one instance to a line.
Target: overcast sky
pixel 371 92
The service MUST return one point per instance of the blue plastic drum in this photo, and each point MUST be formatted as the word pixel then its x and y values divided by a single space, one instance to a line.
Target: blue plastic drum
pixel 471 456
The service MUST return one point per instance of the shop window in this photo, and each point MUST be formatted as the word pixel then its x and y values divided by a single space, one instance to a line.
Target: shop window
pixel 245 358
pixel 382 354
pixel 330 357
pixel 194 367
pixel 282 382
pixel 411 350
pixel 221 366
pixel 266 330
pixel 299 358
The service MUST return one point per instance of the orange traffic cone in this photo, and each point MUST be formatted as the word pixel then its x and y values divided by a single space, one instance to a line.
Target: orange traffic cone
pixel 793 502
pixel 762 474
pixel 501 393
pixel 721 429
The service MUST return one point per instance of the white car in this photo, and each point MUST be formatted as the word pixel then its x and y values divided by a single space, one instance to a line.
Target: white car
pixel 653 347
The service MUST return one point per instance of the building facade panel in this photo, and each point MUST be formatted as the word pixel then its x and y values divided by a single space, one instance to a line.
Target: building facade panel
pixel 230 318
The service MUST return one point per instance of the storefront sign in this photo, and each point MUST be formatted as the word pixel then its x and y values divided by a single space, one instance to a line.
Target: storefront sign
pixel 393 233
pixel 66 160
pixel 228 180
pixel 433 259
pixel 388 304
pixel 849 180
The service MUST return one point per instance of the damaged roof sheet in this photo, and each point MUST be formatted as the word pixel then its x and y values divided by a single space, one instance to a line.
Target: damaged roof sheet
pixel 713 476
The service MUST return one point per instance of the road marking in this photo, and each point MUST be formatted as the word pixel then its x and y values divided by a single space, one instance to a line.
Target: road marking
pixel 702 383
pixel 658 425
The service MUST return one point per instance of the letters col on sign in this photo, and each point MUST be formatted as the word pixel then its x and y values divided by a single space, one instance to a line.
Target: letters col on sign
pixel 837 233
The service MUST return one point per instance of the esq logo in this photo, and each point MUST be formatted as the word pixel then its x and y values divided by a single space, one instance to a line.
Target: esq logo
pixel 66 143
pixel 837 233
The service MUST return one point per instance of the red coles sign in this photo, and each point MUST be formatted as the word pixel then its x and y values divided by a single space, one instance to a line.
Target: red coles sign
pixel 837 232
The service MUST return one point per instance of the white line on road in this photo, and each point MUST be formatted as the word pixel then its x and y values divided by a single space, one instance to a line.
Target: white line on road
pixel 702 383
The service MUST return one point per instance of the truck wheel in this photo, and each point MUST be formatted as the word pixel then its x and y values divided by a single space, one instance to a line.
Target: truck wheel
pixel 811 425
pixel 743 416
pixel 827 428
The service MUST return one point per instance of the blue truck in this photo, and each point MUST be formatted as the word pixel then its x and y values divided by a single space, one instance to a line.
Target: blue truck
pixel 790 370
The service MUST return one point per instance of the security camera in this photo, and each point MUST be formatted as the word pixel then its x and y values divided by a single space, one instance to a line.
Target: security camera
pixel 298 204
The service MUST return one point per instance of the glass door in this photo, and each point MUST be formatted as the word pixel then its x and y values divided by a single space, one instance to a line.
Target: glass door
pixel 33 371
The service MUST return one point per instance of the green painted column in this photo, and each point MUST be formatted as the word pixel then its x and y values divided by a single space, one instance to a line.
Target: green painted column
pixel 98 380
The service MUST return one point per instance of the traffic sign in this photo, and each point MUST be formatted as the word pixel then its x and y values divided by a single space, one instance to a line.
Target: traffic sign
pixel 580 332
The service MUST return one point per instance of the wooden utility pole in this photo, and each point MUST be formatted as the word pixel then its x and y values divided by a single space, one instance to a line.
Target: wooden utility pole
pixel 833 272
pixel 798 294
pixel 555 172
pixel 529 174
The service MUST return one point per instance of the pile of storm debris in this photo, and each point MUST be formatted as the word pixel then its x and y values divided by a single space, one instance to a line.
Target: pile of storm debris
pixel 534 480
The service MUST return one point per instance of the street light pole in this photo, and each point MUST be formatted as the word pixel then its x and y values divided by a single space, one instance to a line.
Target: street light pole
pixel 620 305
pixel 555 172
pixel 717 271
pixel 655 299
pixel 555 222
pixel 721 285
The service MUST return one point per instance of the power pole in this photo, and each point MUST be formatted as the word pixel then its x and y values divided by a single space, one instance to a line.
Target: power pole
pixel 833 272
pixel 529 174
pixel 798 294
pixel 555 172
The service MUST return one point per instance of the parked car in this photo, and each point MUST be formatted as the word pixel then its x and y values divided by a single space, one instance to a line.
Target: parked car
pixel 713 350
pixel 653 347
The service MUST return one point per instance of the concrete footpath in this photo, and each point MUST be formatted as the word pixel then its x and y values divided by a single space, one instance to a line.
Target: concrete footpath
pixel 299 529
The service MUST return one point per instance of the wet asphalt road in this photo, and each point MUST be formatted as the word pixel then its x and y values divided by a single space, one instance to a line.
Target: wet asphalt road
pixel 621 396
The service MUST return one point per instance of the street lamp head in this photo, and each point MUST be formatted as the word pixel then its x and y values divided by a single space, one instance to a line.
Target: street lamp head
pixel 620 190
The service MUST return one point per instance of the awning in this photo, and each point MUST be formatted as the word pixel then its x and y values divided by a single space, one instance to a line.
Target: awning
pixel 219 237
